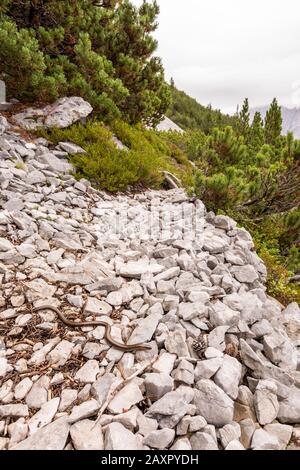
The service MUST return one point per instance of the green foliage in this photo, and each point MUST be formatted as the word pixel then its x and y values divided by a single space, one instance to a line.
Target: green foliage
pixel 102 51
pixel 22 64
pixel 254 182
pixel 252 173
pixel 189 114
pixel 111 169
pixel 267 235
pixel 277 281
pixel 273 123
pixel 256 133
pixel 244 120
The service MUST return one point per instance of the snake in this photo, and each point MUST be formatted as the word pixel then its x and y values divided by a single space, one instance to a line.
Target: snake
pixel 107 326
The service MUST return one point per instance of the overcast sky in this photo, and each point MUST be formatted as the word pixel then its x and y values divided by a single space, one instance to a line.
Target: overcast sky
pixel 220 51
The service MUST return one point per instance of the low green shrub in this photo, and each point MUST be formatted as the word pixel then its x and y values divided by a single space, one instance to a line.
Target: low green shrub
pixel 278 285
pixel 267 234
pixel 112 169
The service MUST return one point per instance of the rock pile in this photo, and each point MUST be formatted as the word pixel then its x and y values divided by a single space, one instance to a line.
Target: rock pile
pixel 223 368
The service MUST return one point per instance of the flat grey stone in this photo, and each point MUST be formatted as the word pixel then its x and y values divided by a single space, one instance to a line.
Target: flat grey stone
pixel 203 441
pixel 157 385
pixel 262 440
pixel 87 435
pixel 246 274
pixel 100 389
pixel 229 375
pixel 207 368
pixel 88 372
pixel 85 410
pixel 213 404
pixel 117 437
pixel 289 409
pixel 266 402
pixel 127 397
pixel 71 148
pixel 38 394
pixel 169 410
pixel 13 410
pixel 51 437
pixel 97 307
pixel 176 343
pixel 160 439
pixel 145 329
pixel 44 416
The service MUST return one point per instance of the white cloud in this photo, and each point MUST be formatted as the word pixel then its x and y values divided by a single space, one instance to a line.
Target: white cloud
pixel 221 51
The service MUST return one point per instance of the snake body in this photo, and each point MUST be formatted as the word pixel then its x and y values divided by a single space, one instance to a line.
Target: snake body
pixel 108 337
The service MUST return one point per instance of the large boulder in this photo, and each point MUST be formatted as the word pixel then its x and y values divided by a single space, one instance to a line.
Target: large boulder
pixel 62 113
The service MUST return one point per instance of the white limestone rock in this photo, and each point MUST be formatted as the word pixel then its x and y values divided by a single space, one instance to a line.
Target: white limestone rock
pixel 102 386
pixel 38 394
pixel 22 388
pixel 280 350
pixel 235 445
pixel 62 113
pixel 127 397
pixel 229 432
pixel 135 269
pixel 203 441
pixel 13 410
pixel 289 409
pixel 222 315
pixel 266 402
pixel 117 437
pixel 181 444
pixel 61 353
pixel 128 419
pixel 51 437
pixel 87 435
pixel 176 343
pixel 263 440
pixel 184 372
pixel 213 404
pixel 229 375
pixel 169 410
pixel 207 368
pixel 88 372
pixel 67 398
pixel 84 410
pixel 17 431
pixel 97 307
pixel 44 416
pixel 146 327
pixel 165 363
pixel 157 385
pixel 160 439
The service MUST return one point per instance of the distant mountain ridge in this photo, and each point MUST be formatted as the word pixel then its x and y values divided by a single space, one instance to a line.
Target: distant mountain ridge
pixel 290 119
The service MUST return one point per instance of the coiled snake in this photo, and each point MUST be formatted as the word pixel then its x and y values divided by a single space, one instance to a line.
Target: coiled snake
pixel 107 336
